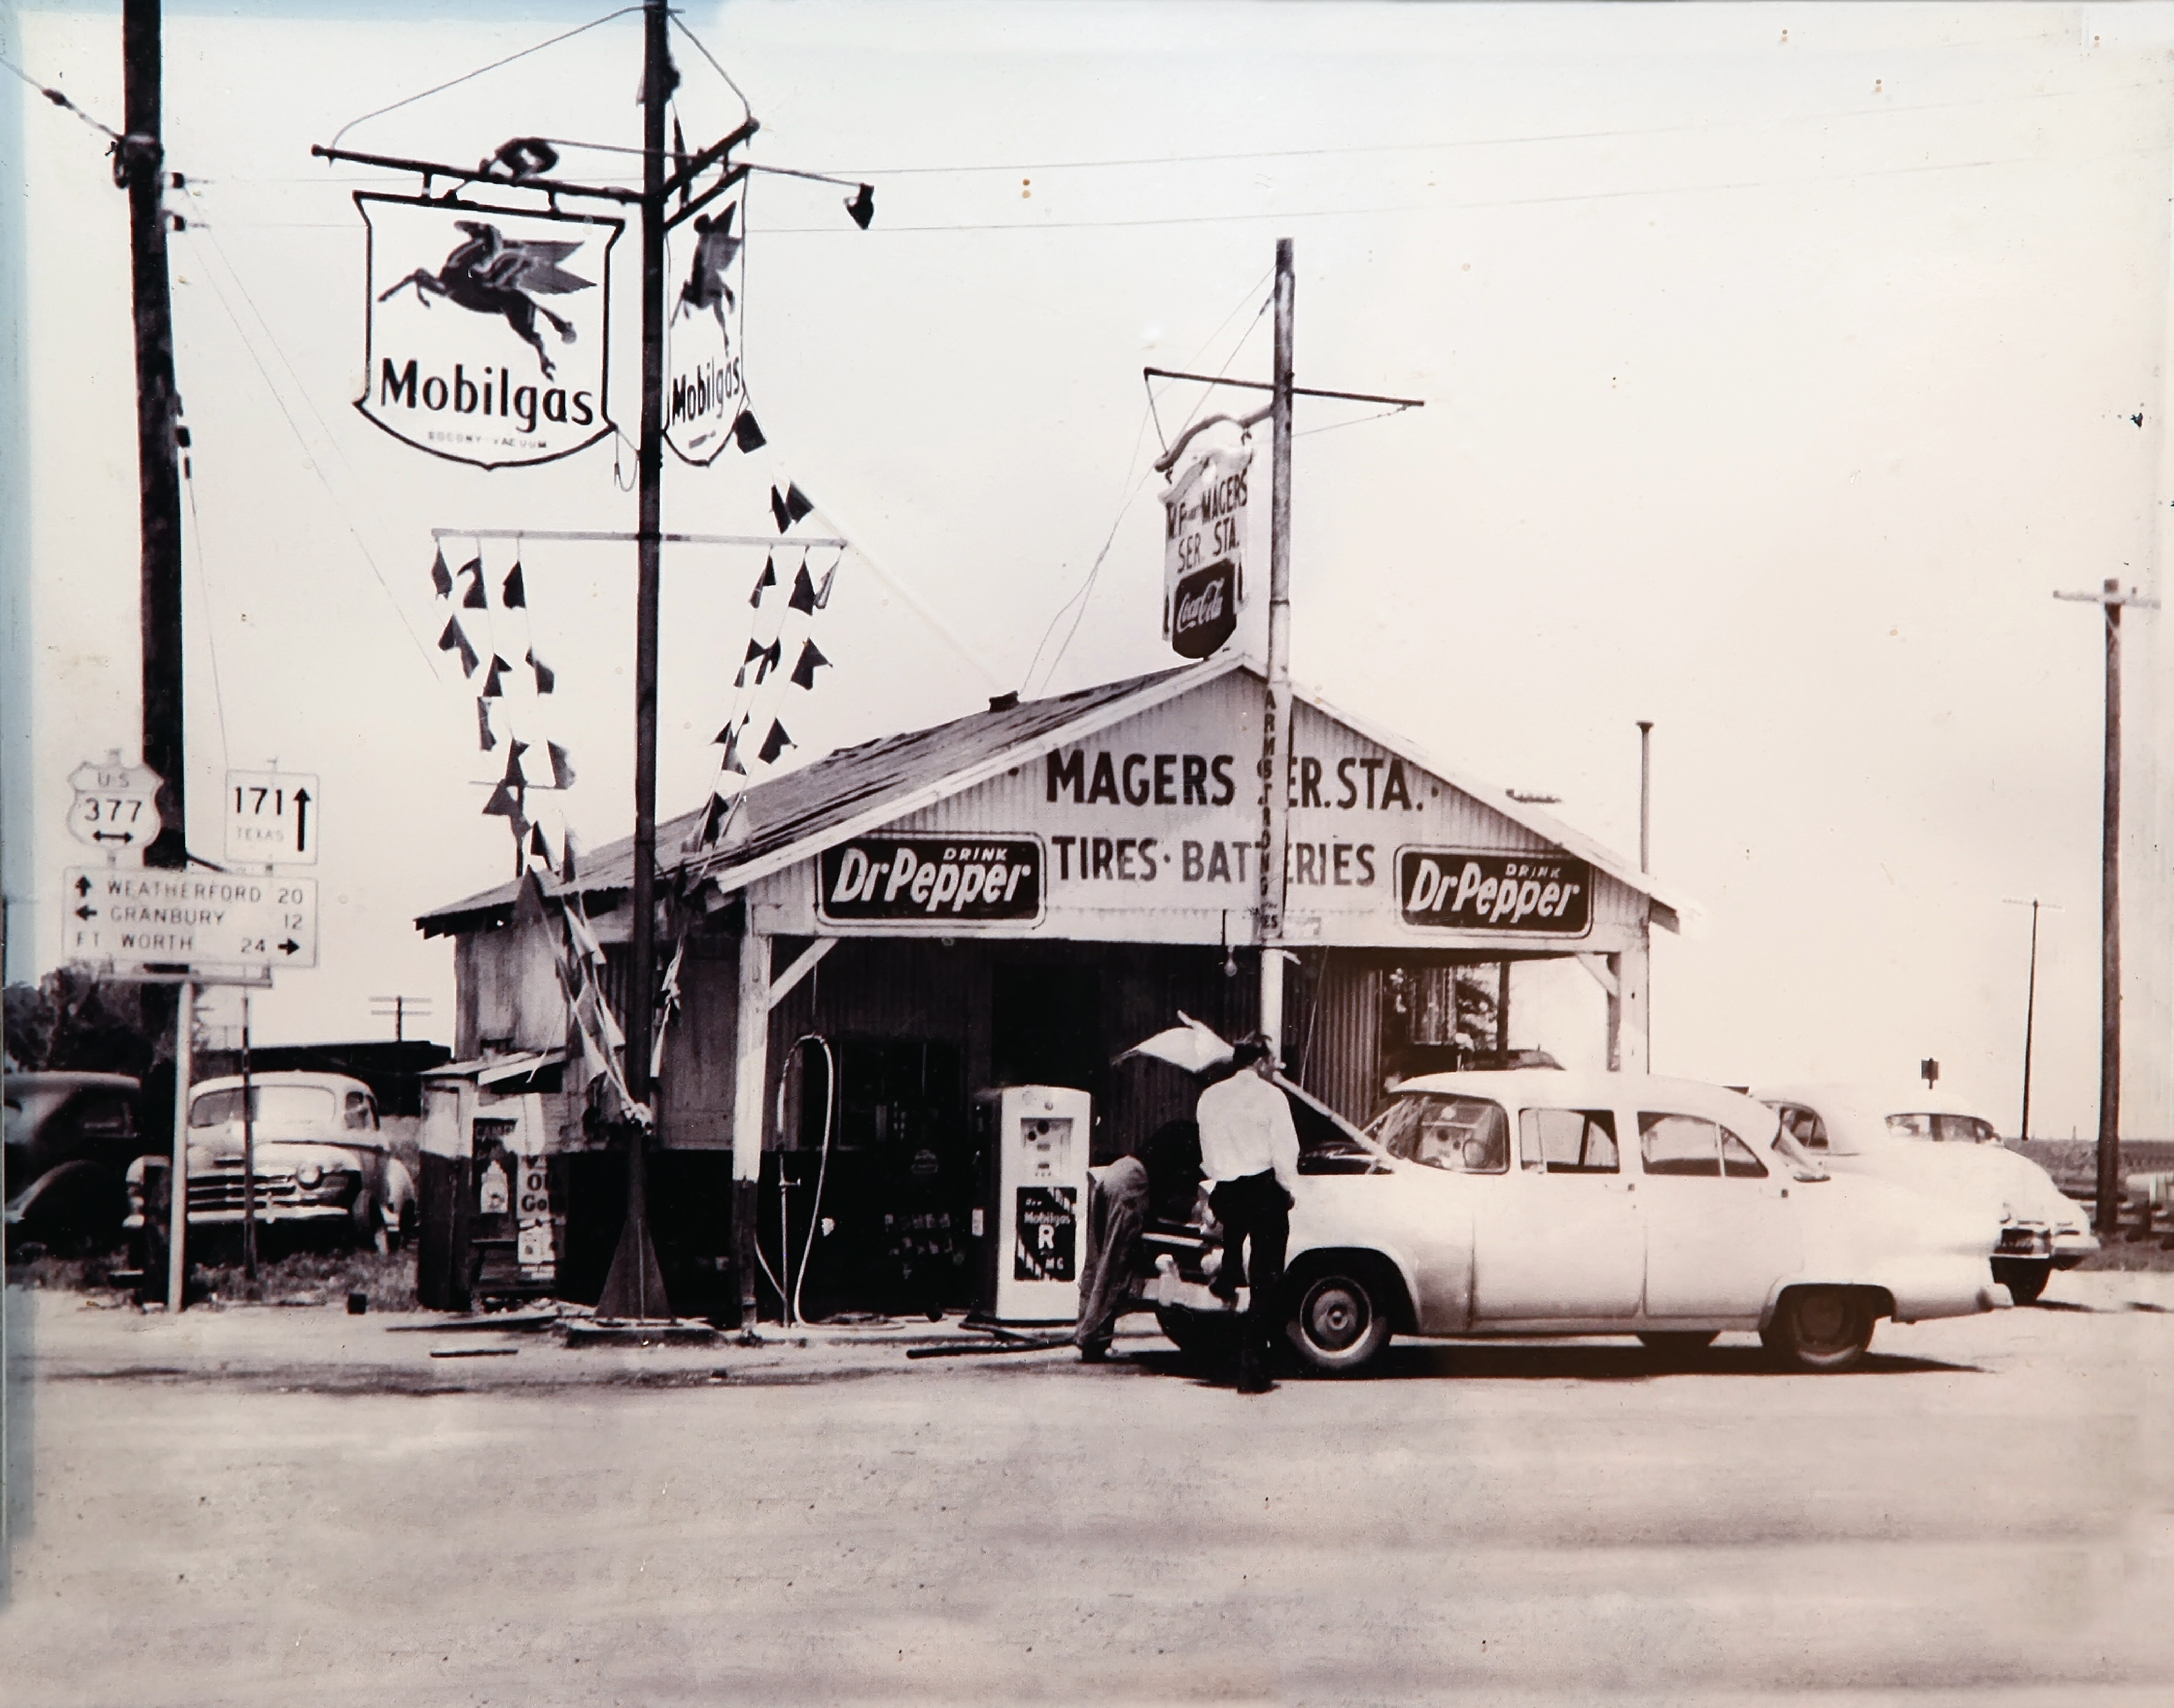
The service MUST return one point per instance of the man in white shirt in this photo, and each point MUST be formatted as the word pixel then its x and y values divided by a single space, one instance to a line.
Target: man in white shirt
pixel 1249 1158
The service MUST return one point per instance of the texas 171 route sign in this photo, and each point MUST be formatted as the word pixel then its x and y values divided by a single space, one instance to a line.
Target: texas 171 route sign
pixel 133 916
pixel 273 818
pixel 116 806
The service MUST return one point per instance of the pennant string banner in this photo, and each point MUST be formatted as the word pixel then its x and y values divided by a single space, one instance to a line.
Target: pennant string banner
pixel 441 578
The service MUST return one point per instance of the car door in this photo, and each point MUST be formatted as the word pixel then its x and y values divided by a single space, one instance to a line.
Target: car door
pixel 1561 1237
pixel 1718 1233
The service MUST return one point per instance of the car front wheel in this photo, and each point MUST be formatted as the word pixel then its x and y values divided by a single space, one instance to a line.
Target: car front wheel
pixel 1820 1328
pixel 1338 1326
pixel 2024 1280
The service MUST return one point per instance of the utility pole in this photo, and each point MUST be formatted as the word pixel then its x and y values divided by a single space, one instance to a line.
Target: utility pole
pixel 1276 711
pixel 139 168
pixel 402 1007
pixel 1275 698
pixel 2029 1004
pixel 2110 599
pixel 1645 794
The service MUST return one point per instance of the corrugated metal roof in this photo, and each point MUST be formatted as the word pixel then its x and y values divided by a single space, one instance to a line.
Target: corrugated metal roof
pixel 782 819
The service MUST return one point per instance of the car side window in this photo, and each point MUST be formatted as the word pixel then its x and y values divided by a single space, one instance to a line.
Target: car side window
pixel 1679 1144
pixel 358 1111
pixel 1459 1135
pixel 105 1117
pixel 1567 1141
pixel 1803 1125
pixel 1737 1160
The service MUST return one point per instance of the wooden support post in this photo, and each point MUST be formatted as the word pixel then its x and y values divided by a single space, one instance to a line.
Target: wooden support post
pixel 1627 1050
pixel 750 1099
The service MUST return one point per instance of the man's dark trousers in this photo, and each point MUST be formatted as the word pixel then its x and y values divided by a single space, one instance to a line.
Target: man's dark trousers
pixel 1255 1212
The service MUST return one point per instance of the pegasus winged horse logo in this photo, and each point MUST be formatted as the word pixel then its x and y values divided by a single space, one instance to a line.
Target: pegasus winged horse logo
pixel 489 274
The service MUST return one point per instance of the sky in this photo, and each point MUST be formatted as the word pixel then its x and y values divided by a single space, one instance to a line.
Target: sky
pixel 1779 362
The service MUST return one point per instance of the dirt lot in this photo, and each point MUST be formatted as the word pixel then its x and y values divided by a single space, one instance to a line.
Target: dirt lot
pixel 265 1505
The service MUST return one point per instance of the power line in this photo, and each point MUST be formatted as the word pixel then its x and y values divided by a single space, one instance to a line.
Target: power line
pixel 61 100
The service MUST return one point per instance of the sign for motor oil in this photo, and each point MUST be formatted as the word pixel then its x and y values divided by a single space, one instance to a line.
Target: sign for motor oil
pixel 487 329
pixel 134 917
pixel 1203 563
pixel 1545 894
pixel 705 385
pixel 944 881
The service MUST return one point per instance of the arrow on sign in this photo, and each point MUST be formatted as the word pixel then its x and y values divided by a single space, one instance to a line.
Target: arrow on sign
pixel 289 947
pixel 113 836
pixel 86 913
pixel 82 886
pixel 301 819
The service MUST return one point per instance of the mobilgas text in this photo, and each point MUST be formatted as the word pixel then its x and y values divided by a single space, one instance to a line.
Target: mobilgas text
pixel 946 878
pixel 494 394
pixel 1465 891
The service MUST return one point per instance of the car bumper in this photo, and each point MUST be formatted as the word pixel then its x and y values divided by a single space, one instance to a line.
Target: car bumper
pixel 2071 1249
pixel 266 1215
pixel 1936 1287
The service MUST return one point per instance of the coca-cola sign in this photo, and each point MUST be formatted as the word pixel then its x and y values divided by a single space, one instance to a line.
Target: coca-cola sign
pixel 1203 611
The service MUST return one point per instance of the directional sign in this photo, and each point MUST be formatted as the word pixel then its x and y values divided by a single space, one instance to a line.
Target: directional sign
pixel 132 916
pixel 272 817
pixel 116 806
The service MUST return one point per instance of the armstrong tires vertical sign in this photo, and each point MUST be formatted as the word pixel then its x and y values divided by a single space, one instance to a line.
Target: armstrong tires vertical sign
pixel 487 330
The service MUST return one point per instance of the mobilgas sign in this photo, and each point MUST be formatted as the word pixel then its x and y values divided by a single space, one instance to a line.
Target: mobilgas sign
pixel 1550 894
pixel 487 329
pixel 945 881
pixel 1205 553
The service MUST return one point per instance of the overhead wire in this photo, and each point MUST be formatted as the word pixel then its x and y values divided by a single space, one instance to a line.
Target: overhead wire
pixel 204 594
pixel 61 100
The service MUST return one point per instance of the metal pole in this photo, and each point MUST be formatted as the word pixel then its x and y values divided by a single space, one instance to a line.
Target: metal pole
pixel 139 167
pixel 1502 1015
pixel 248 1154
pixel 2030 1019
pixel 634 1288
pixel 177 1262
pixel 1645 793
pixel 1275 703
pixel 2109 1172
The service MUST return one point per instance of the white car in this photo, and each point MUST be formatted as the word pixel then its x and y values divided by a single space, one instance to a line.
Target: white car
pixel 322 1164
pixel 1930 1143
pixel 1547 1203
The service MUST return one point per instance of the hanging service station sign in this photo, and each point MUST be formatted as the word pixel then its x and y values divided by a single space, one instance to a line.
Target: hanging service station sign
pixel 1203 563
pixel 488 330
pixel 704 386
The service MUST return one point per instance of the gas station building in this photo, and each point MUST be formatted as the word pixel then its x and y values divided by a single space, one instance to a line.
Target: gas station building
pixel 1011 899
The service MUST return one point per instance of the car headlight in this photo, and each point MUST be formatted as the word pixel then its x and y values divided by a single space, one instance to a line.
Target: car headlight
pixel 309 1174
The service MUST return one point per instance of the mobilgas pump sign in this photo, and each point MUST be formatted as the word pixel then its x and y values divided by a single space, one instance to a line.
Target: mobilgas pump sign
pixel 487 329
pixel 1548 893
pixel 944 881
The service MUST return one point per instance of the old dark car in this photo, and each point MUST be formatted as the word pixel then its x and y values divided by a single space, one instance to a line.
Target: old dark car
pixel 70 1139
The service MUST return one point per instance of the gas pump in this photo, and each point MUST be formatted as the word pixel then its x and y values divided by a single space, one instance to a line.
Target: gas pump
pixel 1035 1140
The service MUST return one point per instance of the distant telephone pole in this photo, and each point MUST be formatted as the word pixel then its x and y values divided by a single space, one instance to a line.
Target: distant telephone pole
pixel 2030 1000
pixel 399 1012
pixel 2110 599
pixel 139 167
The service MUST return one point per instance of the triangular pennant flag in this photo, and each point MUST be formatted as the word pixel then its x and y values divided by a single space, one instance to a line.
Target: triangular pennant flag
pixel 566 863
pixel 714 820
pixel 473 599
pixel 745 434
pixel 562 766
pixel 515 594
pixel 797 503
pixel 514 773
pixel 482 725
pixel 453 638
pixel 777 510
pixel 731 761
pixel 768 579
pixel 537 845
pixel 770 655
pixel 803 591
pixel 775 742
pixel 499 667
pixel 503 803
pixel 823 593
pixel 547 678
pixel 804 673
pixel 441 578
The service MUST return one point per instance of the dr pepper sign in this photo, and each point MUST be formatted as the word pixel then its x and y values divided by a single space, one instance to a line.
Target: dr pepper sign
pixel 1204 560
pixel 1548 894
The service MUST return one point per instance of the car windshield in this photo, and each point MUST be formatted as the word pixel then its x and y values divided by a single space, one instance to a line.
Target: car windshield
pixel 1462 1135
pixel 302 1106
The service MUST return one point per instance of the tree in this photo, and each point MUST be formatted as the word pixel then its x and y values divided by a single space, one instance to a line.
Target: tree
pixel 70 1019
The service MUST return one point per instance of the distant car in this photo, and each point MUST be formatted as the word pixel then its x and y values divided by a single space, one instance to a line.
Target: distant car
pixel 70 1139
pixel 1537 1203
pixel 1933 1145
pixel 322 1164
